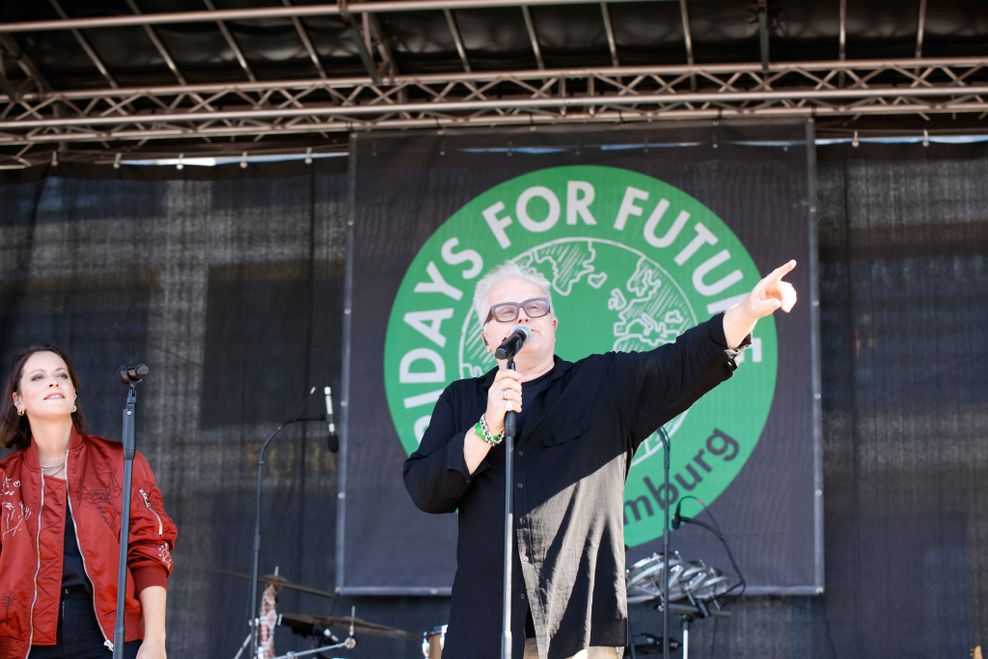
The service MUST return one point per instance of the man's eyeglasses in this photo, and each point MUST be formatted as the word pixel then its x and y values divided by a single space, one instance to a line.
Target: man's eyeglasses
pixel 507 312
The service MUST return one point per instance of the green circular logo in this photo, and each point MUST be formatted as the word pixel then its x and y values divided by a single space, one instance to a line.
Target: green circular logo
pixel 633 263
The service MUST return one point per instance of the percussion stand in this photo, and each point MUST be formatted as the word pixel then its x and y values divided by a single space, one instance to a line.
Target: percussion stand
pixel 688 614
pixel 350 643
pixel 687 621
pixel 243 646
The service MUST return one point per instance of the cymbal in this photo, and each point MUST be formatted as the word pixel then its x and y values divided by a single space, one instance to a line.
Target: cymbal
pixel 281 582
pixel 343 625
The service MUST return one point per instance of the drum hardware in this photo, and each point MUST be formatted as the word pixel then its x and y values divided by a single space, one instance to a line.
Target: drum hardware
pixel 267 619
pixel 317 624
pixel 306 625
pixel 322 627
pixel 645 577
pixel 651 644
pixel 280 582
pixel 693 581
pixel 689 580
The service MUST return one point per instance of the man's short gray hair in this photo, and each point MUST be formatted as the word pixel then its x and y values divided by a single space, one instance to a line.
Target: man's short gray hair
pixel 507 270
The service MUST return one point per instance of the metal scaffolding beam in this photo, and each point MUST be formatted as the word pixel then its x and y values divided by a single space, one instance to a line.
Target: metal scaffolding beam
pixel 257 114
pixel 613 117
pixel 302 11
pixel 266 111
pixel 454 30
pixel 86 47
pixel 817 74
pixel 605 15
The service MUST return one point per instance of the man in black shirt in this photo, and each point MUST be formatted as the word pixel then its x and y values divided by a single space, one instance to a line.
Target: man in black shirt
pixel 579 426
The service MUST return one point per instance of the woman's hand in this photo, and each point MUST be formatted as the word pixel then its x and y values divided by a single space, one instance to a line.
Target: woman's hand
pixel 152 648
pixel 153 610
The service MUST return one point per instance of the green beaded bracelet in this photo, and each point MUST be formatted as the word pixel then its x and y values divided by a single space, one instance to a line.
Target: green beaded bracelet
pixel 485 434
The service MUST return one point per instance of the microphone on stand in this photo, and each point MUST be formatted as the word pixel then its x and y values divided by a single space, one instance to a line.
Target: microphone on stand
pixel 332 439
pixel 511 346
pixel 133 373
pixel 677 519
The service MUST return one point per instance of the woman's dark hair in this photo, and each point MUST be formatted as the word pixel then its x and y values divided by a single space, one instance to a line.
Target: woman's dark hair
pixel 15 432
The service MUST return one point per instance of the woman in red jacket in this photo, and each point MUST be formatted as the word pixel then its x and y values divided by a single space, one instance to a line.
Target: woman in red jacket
pixel 60 500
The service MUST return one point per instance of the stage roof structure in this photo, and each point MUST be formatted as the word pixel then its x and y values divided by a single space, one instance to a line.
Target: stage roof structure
pixel 105 80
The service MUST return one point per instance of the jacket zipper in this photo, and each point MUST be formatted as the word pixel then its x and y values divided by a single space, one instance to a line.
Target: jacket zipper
pixel 147 502
pixel 82 554
pixel 37 569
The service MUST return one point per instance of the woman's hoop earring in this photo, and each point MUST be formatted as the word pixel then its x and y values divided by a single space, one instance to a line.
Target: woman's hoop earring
pixel 75 408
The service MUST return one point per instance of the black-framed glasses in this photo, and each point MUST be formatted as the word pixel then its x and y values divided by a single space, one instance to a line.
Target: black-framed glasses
pixel 507 312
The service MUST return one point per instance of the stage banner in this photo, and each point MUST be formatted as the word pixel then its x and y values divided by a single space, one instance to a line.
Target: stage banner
pixel 644 231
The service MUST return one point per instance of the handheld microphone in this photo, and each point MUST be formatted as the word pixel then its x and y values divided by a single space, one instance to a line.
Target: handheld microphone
pixel 332 439
pixel 677 519
pixel 511 346
pixel 133 373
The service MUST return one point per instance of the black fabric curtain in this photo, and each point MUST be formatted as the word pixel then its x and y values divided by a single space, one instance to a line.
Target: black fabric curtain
pixel 903 244
pixel 228 282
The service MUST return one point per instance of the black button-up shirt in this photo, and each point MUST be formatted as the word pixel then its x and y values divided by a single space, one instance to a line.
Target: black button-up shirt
pixel 572 458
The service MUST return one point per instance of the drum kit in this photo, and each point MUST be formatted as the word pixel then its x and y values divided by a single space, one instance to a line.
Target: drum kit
pixel 323 629
pixel 693 588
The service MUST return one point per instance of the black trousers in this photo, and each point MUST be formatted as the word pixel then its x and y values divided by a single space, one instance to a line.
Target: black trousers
pixel 79 635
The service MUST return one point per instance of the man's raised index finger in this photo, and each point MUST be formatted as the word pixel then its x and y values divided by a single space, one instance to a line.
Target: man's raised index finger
pixel 782 270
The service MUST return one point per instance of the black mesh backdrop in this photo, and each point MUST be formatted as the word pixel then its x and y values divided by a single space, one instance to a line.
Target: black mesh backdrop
pixel 231 290
pixel 903 240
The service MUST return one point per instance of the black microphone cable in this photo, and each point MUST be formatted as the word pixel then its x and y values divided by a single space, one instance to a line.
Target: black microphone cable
pixel 717 533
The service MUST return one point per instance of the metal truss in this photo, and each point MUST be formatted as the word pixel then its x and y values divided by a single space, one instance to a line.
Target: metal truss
pixel 922 86
pixel 253 115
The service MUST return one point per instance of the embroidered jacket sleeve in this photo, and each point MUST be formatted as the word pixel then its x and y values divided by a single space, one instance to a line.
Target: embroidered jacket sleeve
pixel 152 531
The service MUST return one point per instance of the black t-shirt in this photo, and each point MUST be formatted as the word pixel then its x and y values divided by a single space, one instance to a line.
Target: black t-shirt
pixel 73 571
pixel 529 391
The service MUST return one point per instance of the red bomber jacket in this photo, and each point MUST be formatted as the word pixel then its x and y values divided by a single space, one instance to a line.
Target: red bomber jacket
pixel 32 531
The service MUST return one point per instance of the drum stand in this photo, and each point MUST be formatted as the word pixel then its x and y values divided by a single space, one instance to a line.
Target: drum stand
pixel 349 643
pixel 687 618
pixel 243 646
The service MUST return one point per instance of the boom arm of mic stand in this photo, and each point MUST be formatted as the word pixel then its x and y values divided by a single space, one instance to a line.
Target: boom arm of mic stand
pixel 252 614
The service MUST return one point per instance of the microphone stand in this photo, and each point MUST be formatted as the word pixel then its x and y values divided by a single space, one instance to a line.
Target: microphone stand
pixel 129 449
pixel 510 428
pixel 253 614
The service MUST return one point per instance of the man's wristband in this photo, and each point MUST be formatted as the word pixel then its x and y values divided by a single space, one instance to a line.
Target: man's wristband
pixel 484 432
